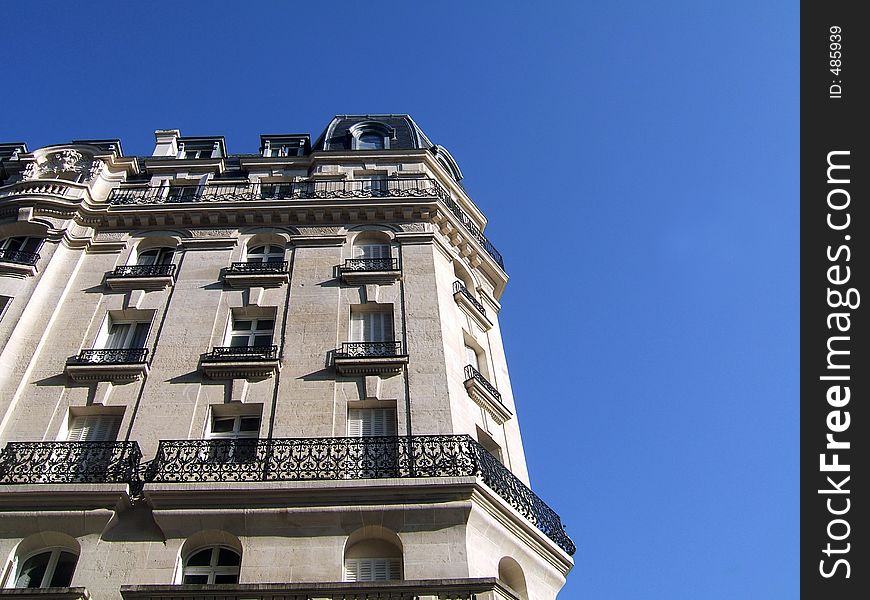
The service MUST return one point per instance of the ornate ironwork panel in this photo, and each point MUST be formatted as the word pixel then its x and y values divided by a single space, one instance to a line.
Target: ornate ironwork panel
pixel 144 271
pixel 269 266
pixel 95 356
pixel 459 288
pixel 472 373
pixel 18 256
pixel 243 353
pixel 302 459
pixel 366 349
pixel 371 264
pixel 69 462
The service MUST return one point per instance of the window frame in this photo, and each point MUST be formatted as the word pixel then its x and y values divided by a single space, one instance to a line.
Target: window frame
pixel 211 571
pixel 270 253
pixel 50 567
pixel 386 328
pixel 391 566
pixel 384 418
pixel 253 332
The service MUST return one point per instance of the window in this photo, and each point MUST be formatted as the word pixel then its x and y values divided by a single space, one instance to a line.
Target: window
pixel 21 250
pixel 370 140
pixel 372 569
pixel 371 326
pixel 251 332
pixel 265 254
pixel 48 568
pixel 276 190
pixel 127 335
pixel 471 357
pixel 372 251
pixel 365 422
pixel 94 428
pixel 156 256
pixel 239 438
pixel 5 301
pixel 197 153
pixel 216 564
pixel 489 444
pixel 182 193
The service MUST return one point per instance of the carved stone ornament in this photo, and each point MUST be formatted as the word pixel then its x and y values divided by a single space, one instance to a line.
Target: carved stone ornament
pixel 414 227
pixel 314 230
pixel 212 233
pixel 110 236
pixel 64 161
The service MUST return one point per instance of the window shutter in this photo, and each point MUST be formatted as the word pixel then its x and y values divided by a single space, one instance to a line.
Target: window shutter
pixel 471 357
pixel 364 422
pixel 94 428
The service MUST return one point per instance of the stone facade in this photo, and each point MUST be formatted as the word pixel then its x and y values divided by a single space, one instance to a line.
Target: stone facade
pixel 291 358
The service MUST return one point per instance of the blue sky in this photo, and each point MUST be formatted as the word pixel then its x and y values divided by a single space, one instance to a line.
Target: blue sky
pixel 639 165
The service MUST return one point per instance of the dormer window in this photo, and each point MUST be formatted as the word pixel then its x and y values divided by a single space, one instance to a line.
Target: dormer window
pixel 370 141
pixel 371 135
pixel 197 153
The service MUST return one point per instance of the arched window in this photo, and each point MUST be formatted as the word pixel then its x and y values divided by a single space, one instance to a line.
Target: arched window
pixel 47 568
pixel 373 559
pixel 214 564
pixel 268 253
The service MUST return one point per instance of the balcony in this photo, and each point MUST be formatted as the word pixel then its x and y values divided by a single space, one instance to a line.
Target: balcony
pixel 370 358
pixel 241 362
pixel 69 462
pixel 56 593
pixel 17 262
pixel 118 365
pixel 304 190
pixel 425 589
pixel 311 459
pixel 361 271
pixel 295 190
pixel 270 273
pixel 141 277
pixel 485 395
pixel 471 305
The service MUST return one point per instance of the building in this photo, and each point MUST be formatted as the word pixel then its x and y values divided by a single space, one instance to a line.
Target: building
pixel 279 373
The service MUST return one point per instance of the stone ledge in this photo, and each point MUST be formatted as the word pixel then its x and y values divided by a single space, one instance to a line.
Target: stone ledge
pixel 370 277
pixel 17 269
pixel 264 280
pixel 61 496
pixel 114 372
pixel 240 369
pixel 483 398
pixel 150 284
pixel 480 318
pixel 370 365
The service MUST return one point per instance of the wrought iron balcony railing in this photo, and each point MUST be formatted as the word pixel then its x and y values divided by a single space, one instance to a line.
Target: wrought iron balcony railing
pixel 304 190
pixel 258 268
pixel 435 589
pixel 459 288
pixel 102 356
pixel 69 462
pixel 305 459
pixel 219 353
pixel 472 373
pixel 19 256
pixel 369 349
pixel 144 271
pixel 370 264
pixel 296 190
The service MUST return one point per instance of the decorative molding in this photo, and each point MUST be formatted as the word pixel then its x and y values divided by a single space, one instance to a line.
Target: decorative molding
pixel 63 161
pixel 212 233
pixel 110 236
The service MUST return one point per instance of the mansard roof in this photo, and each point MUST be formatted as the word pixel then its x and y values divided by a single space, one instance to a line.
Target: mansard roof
pixel 404 132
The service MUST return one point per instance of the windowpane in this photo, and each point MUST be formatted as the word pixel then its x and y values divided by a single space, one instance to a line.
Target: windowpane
pixel 250 424
pixel 226 578
pixel 32 571
pixel 200 559
pixel 63 572
pixel 370 141
pixel 223 425
pixel 262 340
pixel 265 325
pixel 227 557
pixel 242 325
pixel 188 578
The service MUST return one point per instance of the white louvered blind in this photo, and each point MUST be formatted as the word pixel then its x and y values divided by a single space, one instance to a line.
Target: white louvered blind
pixel 371 251
pixel 372 569
pixel 471 357
pixel 364 422
pixel 94 428
pixel 371 327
